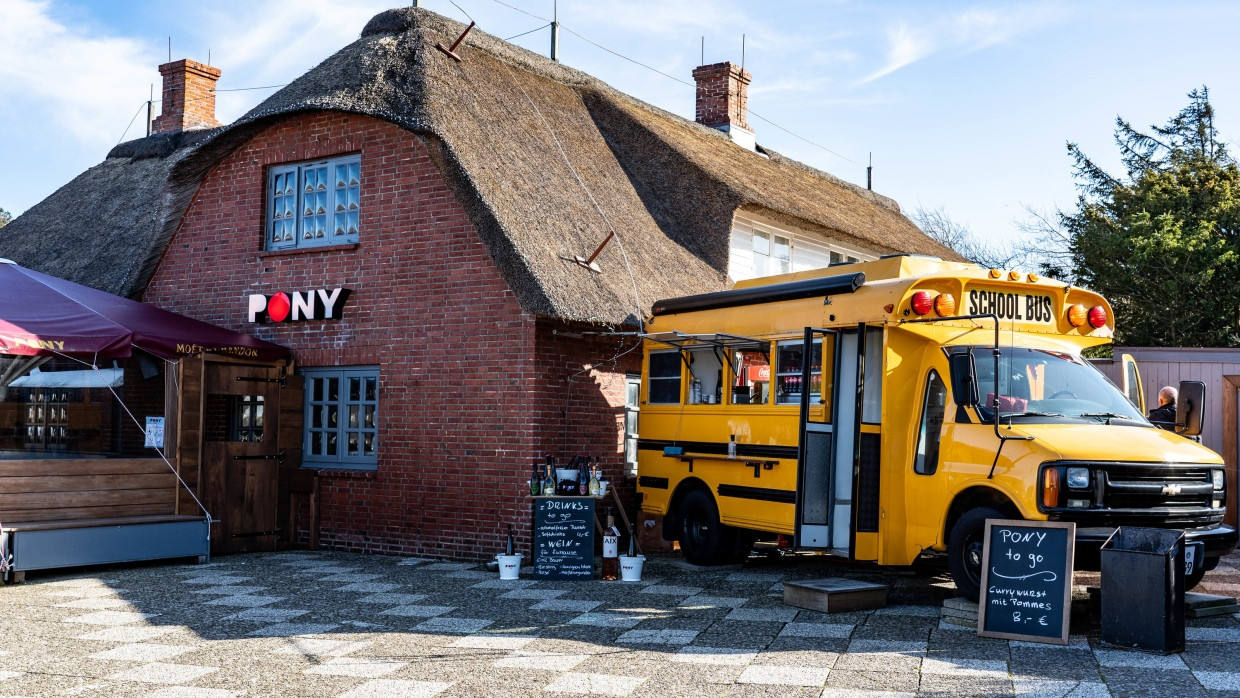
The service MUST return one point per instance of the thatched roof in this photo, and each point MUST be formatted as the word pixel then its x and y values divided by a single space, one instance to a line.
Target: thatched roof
pixel 504 126
pixel 103 229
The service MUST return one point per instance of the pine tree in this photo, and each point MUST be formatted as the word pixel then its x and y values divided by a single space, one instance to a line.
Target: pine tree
pixel 1162 242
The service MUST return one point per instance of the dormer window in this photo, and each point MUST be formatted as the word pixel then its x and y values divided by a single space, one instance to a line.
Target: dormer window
pixel 772 254
pixel 314 204
pixel 764 247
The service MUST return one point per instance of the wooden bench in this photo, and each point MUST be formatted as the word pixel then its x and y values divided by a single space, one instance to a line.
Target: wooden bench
pixel 73 512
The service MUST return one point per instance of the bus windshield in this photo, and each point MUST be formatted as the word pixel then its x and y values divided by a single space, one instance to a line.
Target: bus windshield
pixel 1040 385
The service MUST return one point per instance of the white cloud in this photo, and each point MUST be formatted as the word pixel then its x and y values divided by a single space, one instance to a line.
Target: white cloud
pixel 963 32
pixel 82 85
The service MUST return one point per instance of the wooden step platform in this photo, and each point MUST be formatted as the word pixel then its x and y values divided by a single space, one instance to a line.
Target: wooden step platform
pixel 835 595
pixel 960 611
pixel 1196 605
pixel 1205 605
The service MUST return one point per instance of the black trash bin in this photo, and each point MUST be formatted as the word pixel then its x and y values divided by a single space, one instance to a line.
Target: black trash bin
pixel 1143 589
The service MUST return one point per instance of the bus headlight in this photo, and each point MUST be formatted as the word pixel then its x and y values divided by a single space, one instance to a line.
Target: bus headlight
pixel 1218 478
pixel 1078 478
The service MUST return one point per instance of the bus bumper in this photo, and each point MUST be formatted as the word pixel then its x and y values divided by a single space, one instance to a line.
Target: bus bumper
pixel 1219 540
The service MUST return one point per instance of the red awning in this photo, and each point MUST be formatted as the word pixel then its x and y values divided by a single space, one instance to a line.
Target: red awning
pixel 42 315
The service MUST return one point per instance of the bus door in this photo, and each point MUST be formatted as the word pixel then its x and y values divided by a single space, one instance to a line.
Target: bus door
pixel 826 427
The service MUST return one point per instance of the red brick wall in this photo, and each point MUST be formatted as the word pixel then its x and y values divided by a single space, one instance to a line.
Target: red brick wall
pixel 467 381
pixel 188 96
pixel 722 94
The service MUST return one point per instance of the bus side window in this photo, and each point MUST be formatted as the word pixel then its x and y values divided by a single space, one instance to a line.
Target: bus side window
pixel 664 374
pixel 752 376
pixel 788 359
pixel 705 377
pixel 926 460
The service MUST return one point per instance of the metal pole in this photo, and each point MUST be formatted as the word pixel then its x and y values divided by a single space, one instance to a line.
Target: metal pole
pixel 555 41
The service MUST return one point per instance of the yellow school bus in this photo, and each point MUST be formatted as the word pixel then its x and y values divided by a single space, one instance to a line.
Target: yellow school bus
pixel 884 410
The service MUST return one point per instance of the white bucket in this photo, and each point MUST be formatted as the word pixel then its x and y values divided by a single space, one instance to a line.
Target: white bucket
pixel 509 566
pixel 631 568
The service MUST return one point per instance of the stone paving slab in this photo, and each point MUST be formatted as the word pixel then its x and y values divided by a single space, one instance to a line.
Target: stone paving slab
pixel 336 624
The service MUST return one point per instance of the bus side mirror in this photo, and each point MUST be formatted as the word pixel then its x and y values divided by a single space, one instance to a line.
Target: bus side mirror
pixel 1190 407
pixel 964 379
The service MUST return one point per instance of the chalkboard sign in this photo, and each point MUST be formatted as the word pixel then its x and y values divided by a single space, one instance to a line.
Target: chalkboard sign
pixel 1026 580
pixel 564 538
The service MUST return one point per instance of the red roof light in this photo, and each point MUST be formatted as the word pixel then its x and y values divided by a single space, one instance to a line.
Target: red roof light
pixel 1097 316
pixel 922 303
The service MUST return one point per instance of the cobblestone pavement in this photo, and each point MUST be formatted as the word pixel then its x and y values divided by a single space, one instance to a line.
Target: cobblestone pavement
pixel 334 624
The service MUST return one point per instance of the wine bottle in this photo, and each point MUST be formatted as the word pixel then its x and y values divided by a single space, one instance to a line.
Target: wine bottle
pixel 632 544
pixel 508 549
pixel 611 550
pixel 548 485
pixel 583 478
pixel 536 481
pixel 593 486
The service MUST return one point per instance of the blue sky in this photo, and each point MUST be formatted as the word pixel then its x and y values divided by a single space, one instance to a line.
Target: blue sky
pixel 964 106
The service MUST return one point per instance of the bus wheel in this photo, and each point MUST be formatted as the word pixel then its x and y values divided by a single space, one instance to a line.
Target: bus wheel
pixel 703 539
pixel 964 550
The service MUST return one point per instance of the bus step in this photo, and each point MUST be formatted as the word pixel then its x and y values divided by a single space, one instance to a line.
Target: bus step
pixel 835 595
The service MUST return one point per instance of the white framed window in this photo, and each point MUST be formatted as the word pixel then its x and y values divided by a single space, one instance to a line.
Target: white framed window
pixel 313 204
pixel 772 254
pixel 632 410
pixel 341 417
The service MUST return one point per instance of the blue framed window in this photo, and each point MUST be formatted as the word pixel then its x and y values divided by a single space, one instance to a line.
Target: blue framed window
pixel 314 204
pixel 341 417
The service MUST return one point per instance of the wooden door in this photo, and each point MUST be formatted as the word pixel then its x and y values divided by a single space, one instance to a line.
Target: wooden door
pixel 241 455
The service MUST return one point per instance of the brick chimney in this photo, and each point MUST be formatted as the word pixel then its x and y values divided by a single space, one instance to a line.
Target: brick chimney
pixel 722 100
pixel 189 96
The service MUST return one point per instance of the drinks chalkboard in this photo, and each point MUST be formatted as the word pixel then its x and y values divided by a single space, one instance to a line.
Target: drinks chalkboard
pixel 564 538
pixel 1026 580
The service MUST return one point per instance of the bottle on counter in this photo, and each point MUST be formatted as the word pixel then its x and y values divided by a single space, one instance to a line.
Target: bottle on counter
pixel 536 481
pixel 548 483
pixel 510 547
pixel 593 486
pixel 611 550
pixel 583 477
pixel 732 446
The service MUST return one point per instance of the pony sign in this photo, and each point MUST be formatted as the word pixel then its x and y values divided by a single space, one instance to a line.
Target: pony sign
pixel 319 304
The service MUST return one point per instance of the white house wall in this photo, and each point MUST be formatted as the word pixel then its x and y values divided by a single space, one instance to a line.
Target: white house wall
pixel 809 250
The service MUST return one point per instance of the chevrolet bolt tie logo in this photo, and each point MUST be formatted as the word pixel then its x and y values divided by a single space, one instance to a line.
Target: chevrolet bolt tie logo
pixel 1172 490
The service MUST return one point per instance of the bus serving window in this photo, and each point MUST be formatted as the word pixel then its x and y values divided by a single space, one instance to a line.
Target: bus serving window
pixel 926 460
pixel 752 371
pixel 664 375
pixel 788 375
pixel 705 377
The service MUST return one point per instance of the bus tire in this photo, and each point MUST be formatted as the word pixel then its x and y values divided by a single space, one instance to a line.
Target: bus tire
pixel 964 550
pixel 704 540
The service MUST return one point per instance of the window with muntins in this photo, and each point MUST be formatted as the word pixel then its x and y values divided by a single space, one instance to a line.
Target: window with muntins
pixel 341 417
pixel 664 373
pixel 246 418
pixel 314 203
pixel 772 254
pixel 632 410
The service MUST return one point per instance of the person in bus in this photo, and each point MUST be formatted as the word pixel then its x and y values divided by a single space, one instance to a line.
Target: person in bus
pixel 1164 415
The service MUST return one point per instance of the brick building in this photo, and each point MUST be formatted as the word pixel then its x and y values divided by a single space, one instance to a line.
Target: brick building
pixel 454 200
